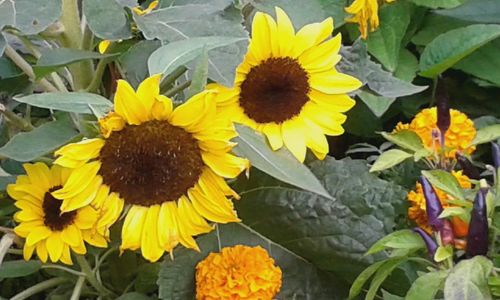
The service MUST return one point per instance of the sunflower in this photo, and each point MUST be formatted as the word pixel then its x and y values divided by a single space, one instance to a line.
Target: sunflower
pixel 458 137
pixel 167 165
pixel 46 228
pixel 365 13
pixel 417 209
pixel 287 87
pixel 238 272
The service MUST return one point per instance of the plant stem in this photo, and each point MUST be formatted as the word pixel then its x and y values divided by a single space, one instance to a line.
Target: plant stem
pixel 434 89
pixel 103 257
pixel 16 120
pixel 27 69
pixel 172 77
pixel 85 267
pixel 47 284
pixel 99 72
pixel 177 89
pixel 58 267
pixel 78 288
pixel 72 38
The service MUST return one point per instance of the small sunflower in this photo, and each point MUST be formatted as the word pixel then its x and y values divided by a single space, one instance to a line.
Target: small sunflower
pixel 48 230
pixel 166 164
pixel 365 13
pixel 458 137
pixel 287 87
pixel 238 273
pixel 417 209
pixel 139 11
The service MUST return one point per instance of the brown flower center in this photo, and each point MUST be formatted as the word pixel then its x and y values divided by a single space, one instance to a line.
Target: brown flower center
pixel 275 90
pixel 52 212
pixel 151 163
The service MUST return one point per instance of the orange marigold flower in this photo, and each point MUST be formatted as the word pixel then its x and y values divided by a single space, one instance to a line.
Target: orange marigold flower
pixel 238 272
pixel 417 209
pixel 458 137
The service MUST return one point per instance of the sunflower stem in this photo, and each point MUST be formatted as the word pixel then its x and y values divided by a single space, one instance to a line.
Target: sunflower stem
pixel 171 78
pixel 37 288
pixel 99 72
pixel 173 91
pixel 15 120
pixel 54 266
pixel 78 288
pixel 85 268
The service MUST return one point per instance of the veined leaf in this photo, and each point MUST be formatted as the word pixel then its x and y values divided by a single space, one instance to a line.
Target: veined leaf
pixel 443 253
pixel 32 19
pixel 401 239
pixel 406 139
pixel 377 104
pixel 469 279
pixel 427 286
pixel 107 19
pixel 450 47
pixel 389 159
pixel 7 13
pixel 280 164
pixel 487 134
pixel 439 3
pixel 446 182
pixel 382 273
pixel 18 268
pixel 200 74
pixel 480 11
pixel 363 277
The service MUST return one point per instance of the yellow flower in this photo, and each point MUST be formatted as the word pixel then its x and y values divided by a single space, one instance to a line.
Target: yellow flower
pixel 417 209
pixel 166 164
pixel 365 13
pixel 48 230
pixel 238 273
pixel 458 137
pixel 103 46
pixel 139 11
pixel 287 87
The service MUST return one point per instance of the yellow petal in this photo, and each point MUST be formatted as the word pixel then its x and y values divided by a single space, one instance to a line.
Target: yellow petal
pixel 219 182
pixel 66 256
pixel 317 141
pixel 132 227
pixel 225 164
pixel 338 103
pixel 260 44
pixel 25 228
pixel 150 246
pixel 211 212
pixel 168 232
pixel 273 134
pixel 317 55
pixel 194 114
pixel 79 179
pixel 128 105
pixel 71 235
pixel 162 108
pixel 311 35
pixel 83 198
pixel 148 90
pixel 55 246
pixel 41 251
pixel 28 215
pixel 333 82
pixel 103 46
pixel 194 223
pixel 294 138
pixel 286 32
pixel 28 251
pixel 86 217
pixel 39 174
pixel 94 239
pixel 85 150
pixel 111 122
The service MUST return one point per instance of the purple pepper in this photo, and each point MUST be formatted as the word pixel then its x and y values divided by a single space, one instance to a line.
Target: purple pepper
pixel 432 205
pixel 495 150
pixel 477 239
pixel 428 240
pixel 467 167
pixel 443 110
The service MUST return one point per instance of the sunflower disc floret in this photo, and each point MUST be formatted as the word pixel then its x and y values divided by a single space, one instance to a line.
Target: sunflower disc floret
pixel 238 273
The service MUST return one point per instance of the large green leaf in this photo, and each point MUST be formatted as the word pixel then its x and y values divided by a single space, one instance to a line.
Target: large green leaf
pixel 32 18
pixel 107 19
pixel 484 63
pixel 301 280
pixel 427 286
pixel 487 134
pixel 182 21
pixel 332 234
pixel 7 13
pixel 435 25
pixel 175 54
pixel 280 164
pixel 77 102
pixel 40 141
pixel 439 3
pixel 52 59
pixel 377 104
pixel 134 62
pixel 18 268
pixel 357 63
pixel 402 239
pixel 468 280
pixel 450 47
pixel 389 159
pixel 480 11
pixel 385 43
pixel 407 66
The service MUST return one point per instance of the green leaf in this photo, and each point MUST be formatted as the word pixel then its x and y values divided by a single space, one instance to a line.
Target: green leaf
pixel 446 182
pixel 133 296
pixel 200 74
pixel 435 25
pixel 426 286
pixel 450 47
pixel 332 234
pixel 134 62
pixel 168 57
pixel 487 134
pixel 480 11
pixel 401 239
pixel 27 146
pixel 454 211
pixel 443 253
pixel 280 164
pixel 3 44
pixel 484 63
pixel 382 273
pixel 407 66
pixel 32 19
pixel 77 102
pixel 107 19
pixel 211 18
pixel 406 139
pixel 377 104
pixel 18 268
pixel 363 278
pixel 357 63
pixel 300 278
pixel 385 43
pixel 439 3
pixel 469 280
pixel 389 159
pixel 52 59
pixel 7 13
pixel 147 275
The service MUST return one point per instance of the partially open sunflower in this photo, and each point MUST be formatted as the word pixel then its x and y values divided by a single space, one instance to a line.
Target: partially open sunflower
pixel 166 164
pixel 287 86
pixel 48 230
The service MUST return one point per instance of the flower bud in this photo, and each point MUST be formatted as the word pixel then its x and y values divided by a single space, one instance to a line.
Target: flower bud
pixel 495 150
pixel 467 167
pixel 428 240
pixel 432 204
pixel 477 239
pixel 443 110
